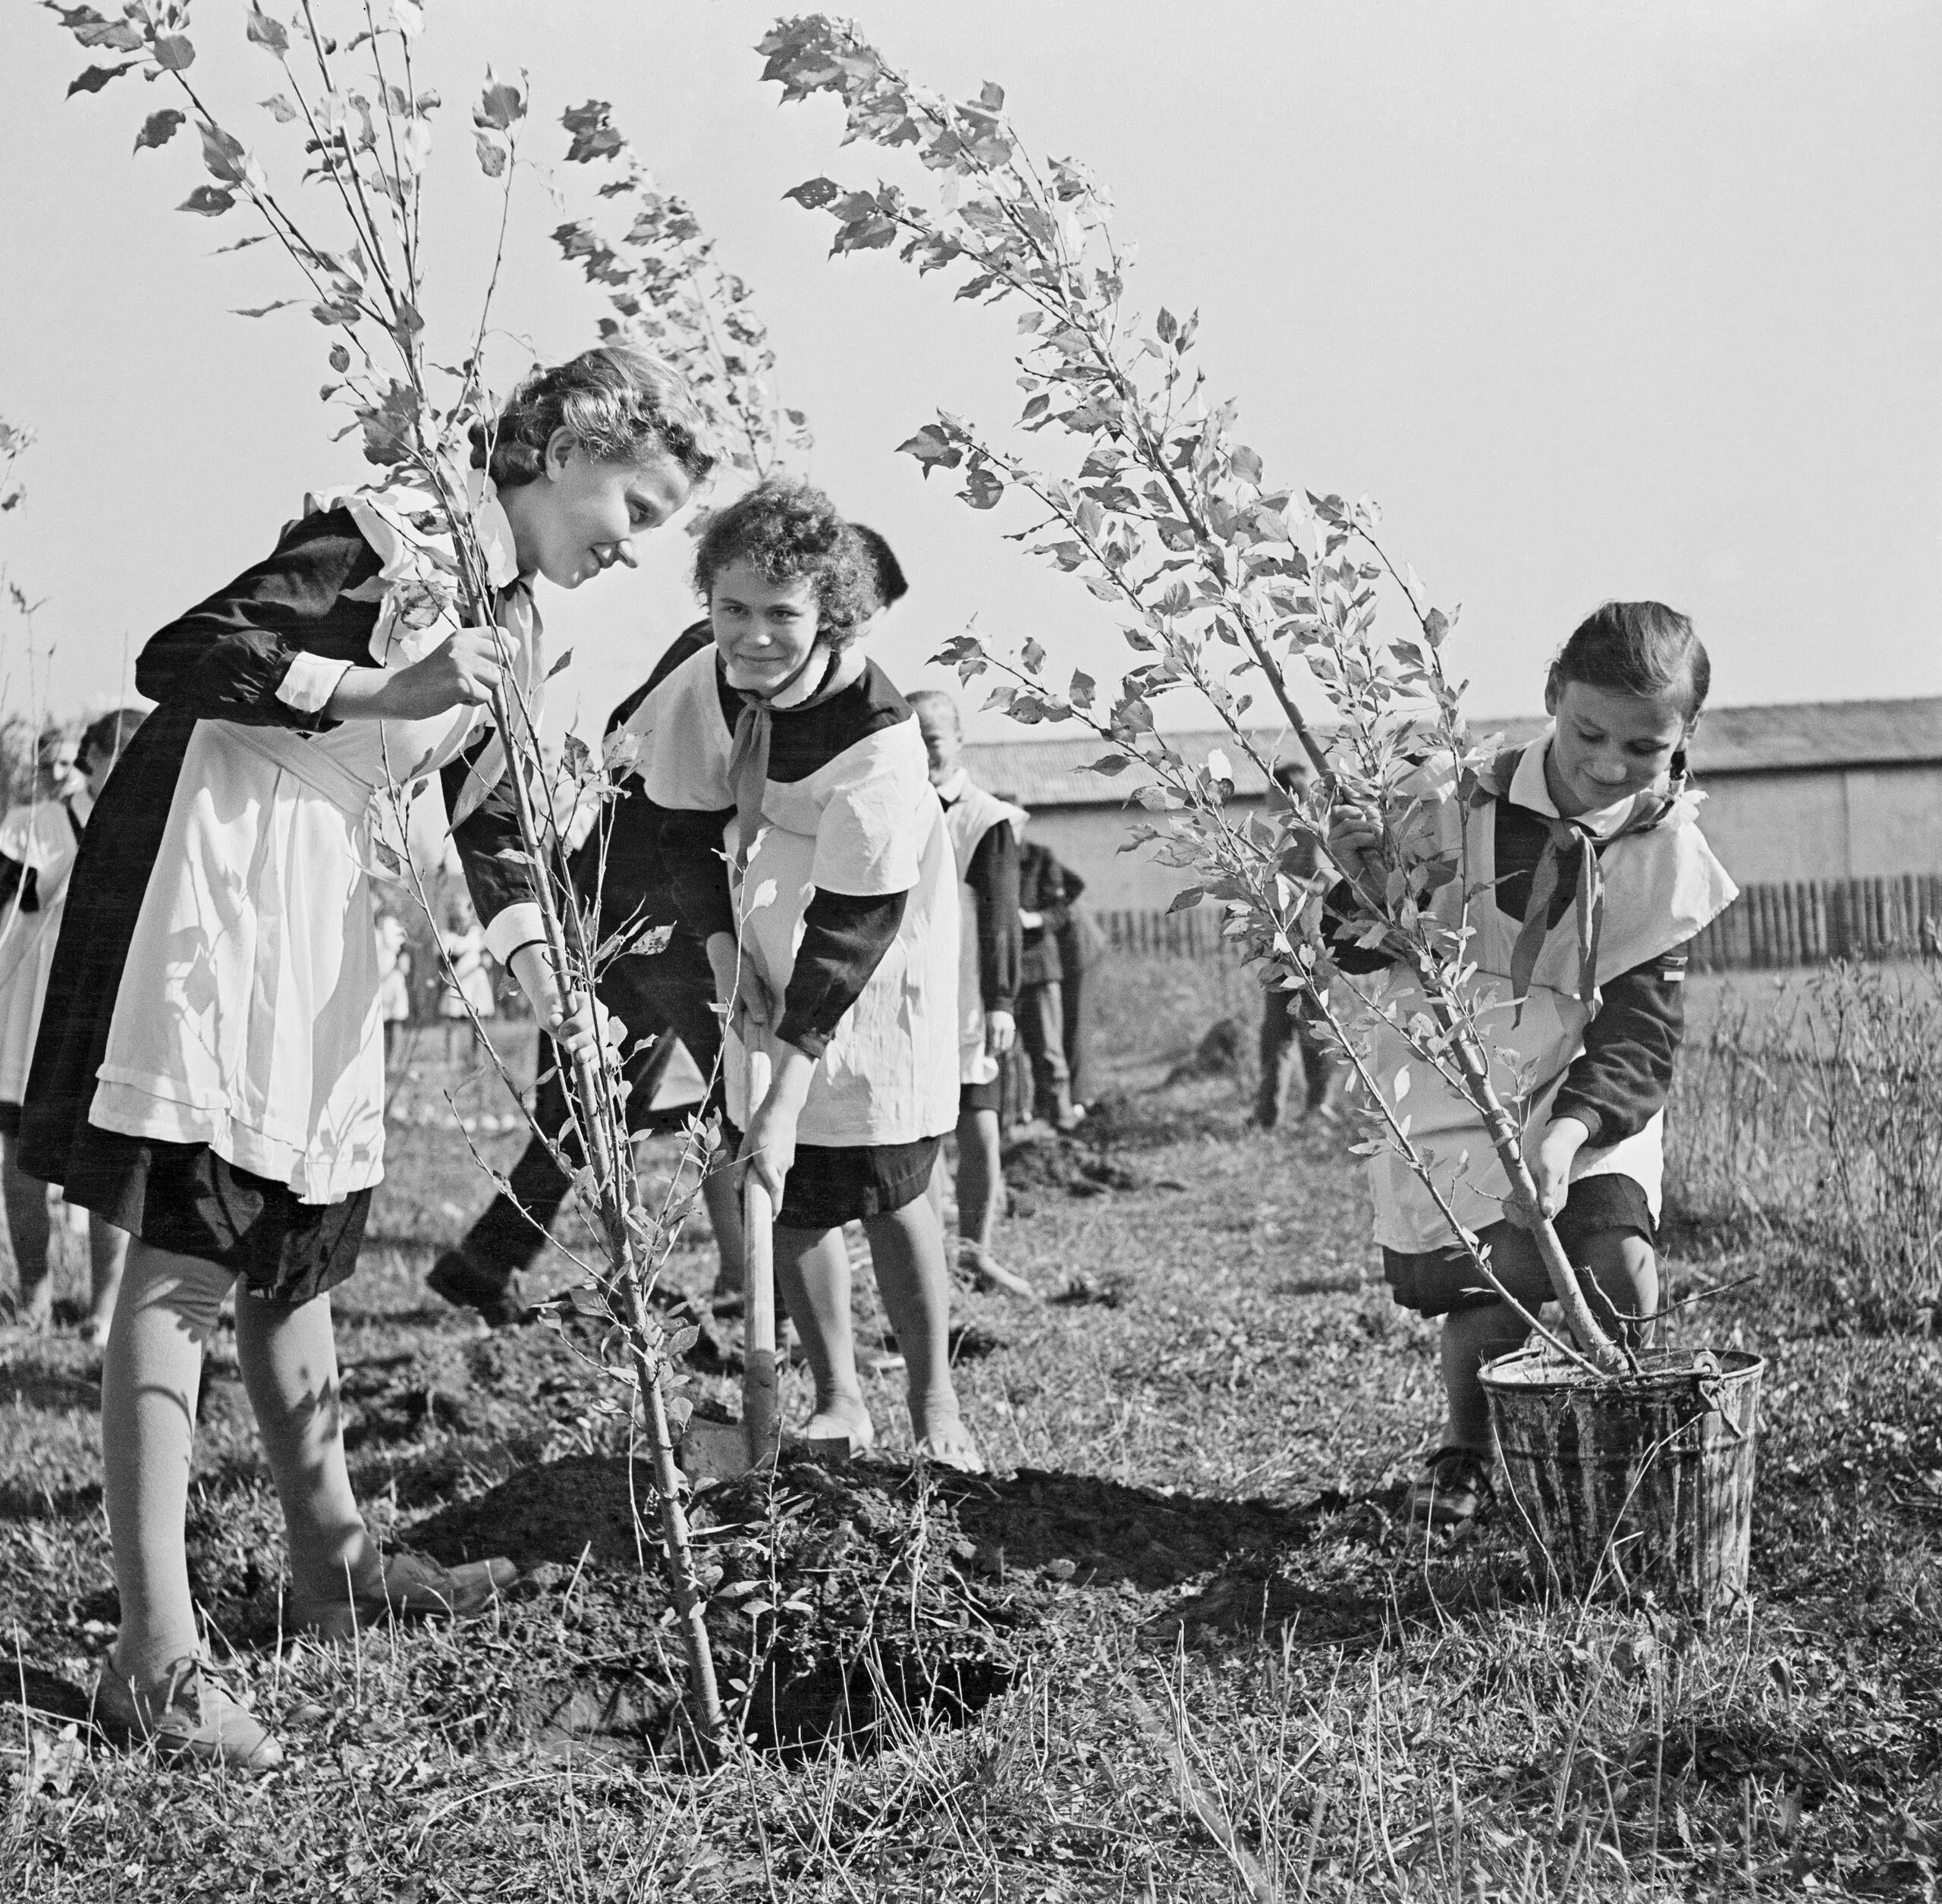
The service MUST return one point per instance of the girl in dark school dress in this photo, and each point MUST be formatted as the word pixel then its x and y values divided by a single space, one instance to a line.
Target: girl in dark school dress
pixel 832 925
pixel 209 1074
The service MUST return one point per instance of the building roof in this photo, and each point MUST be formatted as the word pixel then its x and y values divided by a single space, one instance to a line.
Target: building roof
pixel 1804 736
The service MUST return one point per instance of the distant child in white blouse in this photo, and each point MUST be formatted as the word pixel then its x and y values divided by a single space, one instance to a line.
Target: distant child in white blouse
pixel 833 928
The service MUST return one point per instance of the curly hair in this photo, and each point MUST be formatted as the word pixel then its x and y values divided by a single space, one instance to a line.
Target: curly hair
pixel 1641 648
pixel 783 530
pixel 621 404
pixel 108 734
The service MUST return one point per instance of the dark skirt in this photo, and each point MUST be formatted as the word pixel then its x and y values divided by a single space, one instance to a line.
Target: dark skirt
pixel 186 1199
pixel 831 1185
pixel 1434 1282
pixel 981 1097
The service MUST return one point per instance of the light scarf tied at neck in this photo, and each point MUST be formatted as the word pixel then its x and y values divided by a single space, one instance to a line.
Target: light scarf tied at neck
pixel 748 755
pixel 1572 837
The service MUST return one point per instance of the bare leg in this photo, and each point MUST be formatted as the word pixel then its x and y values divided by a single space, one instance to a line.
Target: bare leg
pixel 1625 1275
pixel 288 1357
pixel 978 1176
pixel 725 1215
pixel 907 1246
pixel 27 1225
pixel 107 1251
pixel 812 1274
pixel 149 1378
pixel 980 1193
pixel 1472 1337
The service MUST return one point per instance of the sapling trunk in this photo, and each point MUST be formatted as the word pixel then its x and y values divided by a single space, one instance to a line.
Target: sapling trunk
pixel 616 1194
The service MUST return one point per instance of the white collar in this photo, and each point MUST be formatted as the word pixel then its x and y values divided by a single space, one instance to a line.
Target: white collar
pixel 1529 787
pixel 953 789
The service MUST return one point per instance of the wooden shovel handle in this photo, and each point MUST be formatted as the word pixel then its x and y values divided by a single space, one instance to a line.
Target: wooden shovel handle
pixel 760 1408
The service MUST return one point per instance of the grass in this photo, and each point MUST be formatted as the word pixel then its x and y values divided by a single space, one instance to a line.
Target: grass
pixel 1181 1645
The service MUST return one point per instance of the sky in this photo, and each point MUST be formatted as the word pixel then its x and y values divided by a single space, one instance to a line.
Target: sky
pixel 1596 300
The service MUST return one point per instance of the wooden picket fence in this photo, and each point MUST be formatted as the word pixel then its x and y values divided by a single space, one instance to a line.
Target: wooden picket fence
pixel 1806 922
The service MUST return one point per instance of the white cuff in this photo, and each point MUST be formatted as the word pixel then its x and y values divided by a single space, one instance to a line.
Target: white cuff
pixel 522 924
pixel 309 682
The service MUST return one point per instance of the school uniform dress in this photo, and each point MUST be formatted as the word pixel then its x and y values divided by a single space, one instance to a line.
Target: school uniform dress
pixel 1606 1059
pixel 209 1072
pixel 846 901
pixel 38 843
pixel 985 848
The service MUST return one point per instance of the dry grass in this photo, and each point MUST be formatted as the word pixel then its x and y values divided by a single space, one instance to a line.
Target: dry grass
pixel 1237 1673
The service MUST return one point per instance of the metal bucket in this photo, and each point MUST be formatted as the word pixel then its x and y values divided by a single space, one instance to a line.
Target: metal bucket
pixel 1633 1483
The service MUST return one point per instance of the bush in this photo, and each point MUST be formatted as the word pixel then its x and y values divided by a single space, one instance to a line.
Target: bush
pixel 1818 1111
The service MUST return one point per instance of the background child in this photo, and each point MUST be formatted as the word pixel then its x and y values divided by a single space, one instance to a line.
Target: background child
pixel 1602 793
pixel 984 834
pixel 38 845
pixel 1048 897
pixel 834 935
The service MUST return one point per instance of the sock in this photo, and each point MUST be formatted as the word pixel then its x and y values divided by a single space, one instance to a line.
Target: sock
pixel 288 1357
pixel 153 1367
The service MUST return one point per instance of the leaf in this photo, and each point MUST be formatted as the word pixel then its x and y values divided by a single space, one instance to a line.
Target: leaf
pixel 560 664
pixel 340 358
pixel 594 136
pixel 1187 899
pixel 279 108
pixel 932 448
pixel 407 17
pixel 1109 764
pixel 1034 657
pixel 502 103
pixel 1082 690
pixel 173 53
pixel 159 127
pixel 209 201
pixel 223 154
pixel 492 153
pixel 95 77
pixel 264 310
pixel 814 194
pixel 267 33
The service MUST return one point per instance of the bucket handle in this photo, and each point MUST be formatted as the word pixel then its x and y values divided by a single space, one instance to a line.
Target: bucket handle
pixel 1709 1387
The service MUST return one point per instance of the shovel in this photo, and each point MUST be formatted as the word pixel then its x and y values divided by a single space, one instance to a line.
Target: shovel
pixel 721 1450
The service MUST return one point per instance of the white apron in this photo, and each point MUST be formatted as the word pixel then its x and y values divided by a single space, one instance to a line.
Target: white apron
pixel 42 836
pixel 969 818
pixel 1661 886
pixel 866 822
pixel 247 1017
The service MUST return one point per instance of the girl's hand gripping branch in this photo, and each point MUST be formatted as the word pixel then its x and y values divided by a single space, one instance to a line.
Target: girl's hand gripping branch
pixel 580 1026
pixel 1550 1168
pixel 462 671
pixel 768 1150
pixel 1355 838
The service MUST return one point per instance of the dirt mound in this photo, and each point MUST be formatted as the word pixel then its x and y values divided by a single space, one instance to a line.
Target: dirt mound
pixel 836 1593
pixel 1067 1165
pixel 833 1595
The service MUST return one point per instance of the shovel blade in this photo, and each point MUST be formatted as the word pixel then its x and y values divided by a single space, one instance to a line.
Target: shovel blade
pixel 722 1450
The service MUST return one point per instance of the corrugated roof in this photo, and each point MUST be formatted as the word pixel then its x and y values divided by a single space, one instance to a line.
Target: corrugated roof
pixel 1803 736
